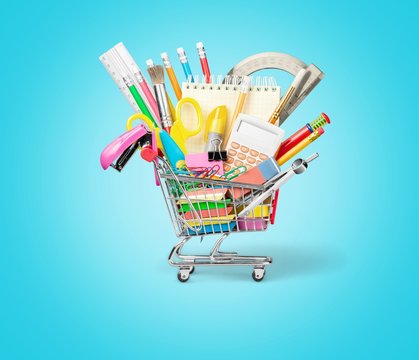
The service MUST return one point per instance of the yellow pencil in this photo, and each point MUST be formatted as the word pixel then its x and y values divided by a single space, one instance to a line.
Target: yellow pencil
pixel 300 146
pixel 171 75
pixel 239 105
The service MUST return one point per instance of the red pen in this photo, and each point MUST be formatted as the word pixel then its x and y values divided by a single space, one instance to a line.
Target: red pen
pixel 204 61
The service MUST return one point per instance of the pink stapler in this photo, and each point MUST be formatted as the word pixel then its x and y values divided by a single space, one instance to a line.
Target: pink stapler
pixel 121 149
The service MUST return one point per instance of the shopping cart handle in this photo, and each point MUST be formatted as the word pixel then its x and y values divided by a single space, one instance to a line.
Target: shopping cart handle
pixel 297 167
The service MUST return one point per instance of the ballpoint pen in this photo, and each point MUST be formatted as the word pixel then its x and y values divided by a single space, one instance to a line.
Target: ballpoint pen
pixel 185 64
pixel 204 61
pixel 171 74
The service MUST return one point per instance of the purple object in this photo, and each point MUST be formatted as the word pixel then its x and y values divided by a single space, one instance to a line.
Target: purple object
pixel 114 150
pixel 252 224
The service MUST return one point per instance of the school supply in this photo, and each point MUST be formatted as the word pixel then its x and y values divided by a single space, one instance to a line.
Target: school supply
pixel 201 160
pixel 214 133
pixel 123 147
pixel 251 142
pixel 201 199
pixel 185 64
pixel 204 61
pixel 287 97
pixel 301 134
pixel 298 167
pixel 179 132
pixel 145 89
pixel 244 87
pixel 300 146
pixel 284 62
pixel 173 153
pixel 258 175
pixel 262 97
pixel 115 65
pixel 156 73
pixel 203 195
pixel 171 74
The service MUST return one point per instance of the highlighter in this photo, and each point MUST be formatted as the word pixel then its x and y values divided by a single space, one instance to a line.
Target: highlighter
pixel 214 133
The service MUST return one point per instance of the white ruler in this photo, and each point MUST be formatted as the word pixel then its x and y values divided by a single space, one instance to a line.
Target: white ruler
pixel 285 62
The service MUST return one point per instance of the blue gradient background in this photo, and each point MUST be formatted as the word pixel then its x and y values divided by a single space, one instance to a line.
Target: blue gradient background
pixel 83 256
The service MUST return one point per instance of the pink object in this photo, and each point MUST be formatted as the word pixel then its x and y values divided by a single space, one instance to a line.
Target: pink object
pixel 115 149
pixel 201 160
pixel 151 100
pixel 253 224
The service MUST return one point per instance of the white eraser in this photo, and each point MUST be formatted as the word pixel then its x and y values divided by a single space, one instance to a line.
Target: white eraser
pixel 149 62
pixel 164 55
pixel 180 51
pixel 199 45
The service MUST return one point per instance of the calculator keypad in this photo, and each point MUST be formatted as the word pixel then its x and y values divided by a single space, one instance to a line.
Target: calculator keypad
pixel 239 155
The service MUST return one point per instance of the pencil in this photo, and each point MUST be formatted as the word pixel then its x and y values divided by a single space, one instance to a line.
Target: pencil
pixel 171 74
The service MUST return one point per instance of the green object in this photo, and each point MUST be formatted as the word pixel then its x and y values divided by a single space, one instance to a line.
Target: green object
pixel 140 102
pixel 207 205
pixel 322 120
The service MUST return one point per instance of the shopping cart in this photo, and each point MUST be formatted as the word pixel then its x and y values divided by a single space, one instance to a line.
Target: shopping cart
pixel 203 206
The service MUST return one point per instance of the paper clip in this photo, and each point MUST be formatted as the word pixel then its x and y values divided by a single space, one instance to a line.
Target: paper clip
pixel 233 173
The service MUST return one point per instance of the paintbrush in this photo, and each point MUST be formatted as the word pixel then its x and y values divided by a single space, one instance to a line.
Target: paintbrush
pixel 156 73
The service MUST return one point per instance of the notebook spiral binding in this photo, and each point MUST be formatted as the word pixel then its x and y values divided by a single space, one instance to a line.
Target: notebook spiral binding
pixel 219 82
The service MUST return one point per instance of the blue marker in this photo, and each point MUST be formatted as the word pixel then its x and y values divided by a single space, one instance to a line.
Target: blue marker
pixel 185 64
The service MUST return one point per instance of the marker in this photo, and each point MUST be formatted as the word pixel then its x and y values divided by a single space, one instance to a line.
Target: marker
pixel 171 74
pixel 300 146
pixel 214 133
pixel 204 62
pixel 185 64
pixel 301 134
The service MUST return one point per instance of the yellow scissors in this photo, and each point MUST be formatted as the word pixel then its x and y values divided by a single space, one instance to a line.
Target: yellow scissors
pixel 179 132
pixel 150 125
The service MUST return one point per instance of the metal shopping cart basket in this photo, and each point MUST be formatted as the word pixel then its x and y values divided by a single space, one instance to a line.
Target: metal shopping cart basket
pixel 203 206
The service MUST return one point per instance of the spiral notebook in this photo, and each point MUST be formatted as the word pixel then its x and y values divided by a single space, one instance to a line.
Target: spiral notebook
pixel 262 98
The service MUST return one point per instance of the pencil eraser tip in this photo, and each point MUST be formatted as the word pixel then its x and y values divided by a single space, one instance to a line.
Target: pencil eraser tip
pixel 149 62
pixel 326 117
pixel 199 45
pixel 164 55
pixel 180 50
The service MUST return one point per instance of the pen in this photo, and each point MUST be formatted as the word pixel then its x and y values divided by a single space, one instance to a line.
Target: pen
pixel 300 146
pixel 204 62
pixel 171 74
pixel 301 134
pixel 185 64
pixel 287 97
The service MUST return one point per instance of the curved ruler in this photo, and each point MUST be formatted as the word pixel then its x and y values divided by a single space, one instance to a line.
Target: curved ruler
pixel 284 62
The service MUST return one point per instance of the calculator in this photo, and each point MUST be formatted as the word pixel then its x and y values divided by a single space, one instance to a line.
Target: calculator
pixel 252 141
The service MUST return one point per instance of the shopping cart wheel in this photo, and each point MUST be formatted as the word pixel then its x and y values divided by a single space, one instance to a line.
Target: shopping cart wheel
pixel 183 274
pixel 192 270
pixel 258 274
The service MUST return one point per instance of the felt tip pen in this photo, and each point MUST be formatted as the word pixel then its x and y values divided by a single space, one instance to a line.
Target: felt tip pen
pixel 185 64
pixel 204 61
pixel 301 134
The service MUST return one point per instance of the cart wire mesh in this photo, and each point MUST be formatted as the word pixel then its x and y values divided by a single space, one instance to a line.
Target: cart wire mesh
pixel 203 206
